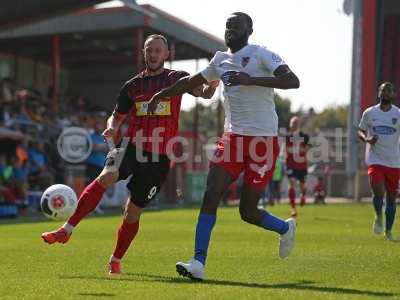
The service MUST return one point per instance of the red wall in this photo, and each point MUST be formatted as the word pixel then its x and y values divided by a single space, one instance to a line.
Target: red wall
pixel 368 83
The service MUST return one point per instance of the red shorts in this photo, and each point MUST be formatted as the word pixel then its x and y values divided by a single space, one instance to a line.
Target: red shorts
pixel 255 156
pixel 389 176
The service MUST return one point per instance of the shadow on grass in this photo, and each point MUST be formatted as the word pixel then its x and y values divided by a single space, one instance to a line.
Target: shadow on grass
pixel 333 220
pixel 95 295
pixel 302 285
pixel 38 217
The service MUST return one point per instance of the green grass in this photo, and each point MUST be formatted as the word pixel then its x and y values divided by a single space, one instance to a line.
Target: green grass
pixel 336 257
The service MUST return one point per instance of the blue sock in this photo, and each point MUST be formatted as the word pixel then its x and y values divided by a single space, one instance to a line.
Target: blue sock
pixel 390 213
pixel 270 222
pixel 204 227
pixel 378 203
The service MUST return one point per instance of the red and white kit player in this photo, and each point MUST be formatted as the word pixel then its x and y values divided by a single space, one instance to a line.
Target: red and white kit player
pixel 379 128
pixel 249 73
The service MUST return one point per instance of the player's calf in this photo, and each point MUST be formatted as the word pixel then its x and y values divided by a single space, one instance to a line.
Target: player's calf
pixel 253 217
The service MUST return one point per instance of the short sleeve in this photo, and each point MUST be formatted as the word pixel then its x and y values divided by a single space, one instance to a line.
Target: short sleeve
pixel 364 121
pixel 210 72
pixel 179 74
pixel 270 60
pixel 124 103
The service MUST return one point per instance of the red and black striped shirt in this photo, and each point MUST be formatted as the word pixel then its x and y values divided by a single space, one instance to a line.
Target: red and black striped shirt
pixel 161 126
pixel 296 151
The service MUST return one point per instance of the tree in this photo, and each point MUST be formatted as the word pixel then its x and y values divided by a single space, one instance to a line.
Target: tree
pixel 207 120
pixel 283 106
pixel 330 118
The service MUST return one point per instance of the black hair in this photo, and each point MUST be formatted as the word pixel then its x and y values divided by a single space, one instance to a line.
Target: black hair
pixel 383 84
pixel 247 18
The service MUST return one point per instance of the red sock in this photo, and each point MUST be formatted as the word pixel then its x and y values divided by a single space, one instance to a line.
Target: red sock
pixel 303 197
pixel 292 197
pixel 126 233
pixel 87 202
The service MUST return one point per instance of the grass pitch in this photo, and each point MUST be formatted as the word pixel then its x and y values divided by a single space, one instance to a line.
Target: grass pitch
pixel 336 257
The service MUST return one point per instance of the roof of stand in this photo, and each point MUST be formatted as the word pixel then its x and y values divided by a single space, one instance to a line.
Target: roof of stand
pixel 107 35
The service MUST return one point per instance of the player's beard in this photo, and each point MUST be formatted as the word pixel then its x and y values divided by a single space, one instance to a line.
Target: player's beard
pixel 154 69
pixel 386 101
pixel 237 42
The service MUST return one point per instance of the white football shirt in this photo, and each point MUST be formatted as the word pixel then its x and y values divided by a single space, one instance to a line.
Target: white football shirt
pixel 386 125
pixel 249 110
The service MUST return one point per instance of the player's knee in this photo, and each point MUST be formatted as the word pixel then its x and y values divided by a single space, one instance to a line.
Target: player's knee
pixel 391 197
pixel 212 192
pixel 379 194
pixel 132 213
pixel 107 178
pixel 130 217
pixel 210 203
pixel 248 216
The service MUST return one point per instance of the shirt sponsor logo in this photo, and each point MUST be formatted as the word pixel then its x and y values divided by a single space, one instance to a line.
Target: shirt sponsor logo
pixel 226 76
pixel 384 130
pixel 163 109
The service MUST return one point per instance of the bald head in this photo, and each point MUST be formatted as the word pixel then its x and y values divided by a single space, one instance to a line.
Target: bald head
pixel 386 92
pixel 156 37
pixel 155 53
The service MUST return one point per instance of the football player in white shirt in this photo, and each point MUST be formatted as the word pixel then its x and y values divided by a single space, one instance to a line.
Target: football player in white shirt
pixel 380 129
pixel 249 144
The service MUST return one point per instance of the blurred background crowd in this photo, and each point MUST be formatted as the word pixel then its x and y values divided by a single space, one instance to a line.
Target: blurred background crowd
pixel 29 130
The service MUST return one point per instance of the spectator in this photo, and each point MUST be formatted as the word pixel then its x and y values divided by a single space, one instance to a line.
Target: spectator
pixel 21 170
pixel 6 180
pixel 96 160
pixel 40 176
pixel 7 90
pixel 35 112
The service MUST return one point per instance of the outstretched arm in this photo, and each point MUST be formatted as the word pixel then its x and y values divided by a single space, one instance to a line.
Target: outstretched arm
pixel 206 90
pixel 284 79
pixel 183 85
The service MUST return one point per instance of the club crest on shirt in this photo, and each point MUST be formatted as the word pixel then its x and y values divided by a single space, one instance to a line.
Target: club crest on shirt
pixel 245 61
pixel 276 58
pixel 394 121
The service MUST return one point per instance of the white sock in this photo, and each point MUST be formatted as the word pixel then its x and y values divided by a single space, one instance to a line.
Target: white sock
pixel 113 258
pixel 68 227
